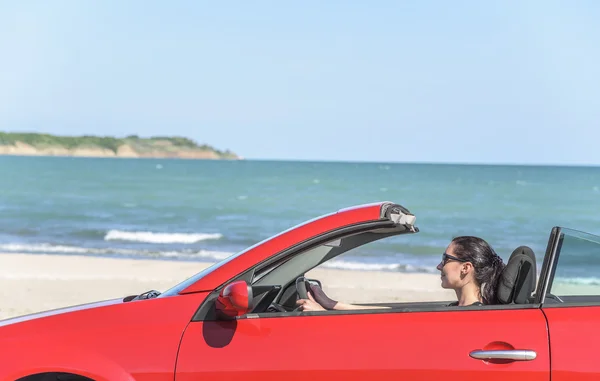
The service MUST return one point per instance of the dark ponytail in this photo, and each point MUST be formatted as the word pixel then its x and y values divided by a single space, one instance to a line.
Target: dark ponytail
pixel 488 265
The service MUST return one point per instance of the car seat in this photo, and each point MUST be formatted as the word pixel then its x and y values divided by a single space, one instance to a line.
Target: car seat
pixel 518 279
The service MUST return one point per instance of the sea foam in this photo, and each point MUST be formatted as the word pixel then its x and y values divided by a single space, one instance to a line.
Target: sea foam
pixel 152 237
pixel 46 248
pixel 361 266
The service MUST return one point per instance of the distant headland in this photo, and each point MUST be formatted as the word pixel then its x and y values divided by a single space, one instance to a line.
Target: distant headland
pixel 33 144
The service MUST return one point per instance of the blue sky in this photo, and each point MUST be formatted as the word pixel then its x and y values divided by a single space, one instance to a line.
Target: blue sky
pixel 424 81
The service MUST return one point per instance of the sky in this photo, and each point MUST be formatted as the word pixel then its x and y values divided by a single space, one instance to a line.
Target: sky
pixel 513 82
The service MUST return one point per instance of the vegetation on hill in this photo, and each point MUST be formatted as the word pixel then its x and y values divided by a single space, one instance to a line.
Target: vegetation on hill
pixel 161 144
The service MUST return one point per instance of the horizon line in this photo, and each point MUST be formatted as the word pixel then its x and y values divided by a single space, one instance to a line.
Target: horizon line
pixel 473 163
pixel 332 161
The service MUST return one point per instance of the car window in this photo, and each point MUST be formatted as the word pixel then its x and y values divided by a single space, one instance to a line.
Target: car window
pixel 577 270
pixel 395 269
pixel 288 269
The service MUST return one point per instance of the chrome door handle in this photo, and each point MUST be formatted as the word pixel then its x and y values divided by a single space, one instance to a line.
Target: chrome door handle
pixel 514 354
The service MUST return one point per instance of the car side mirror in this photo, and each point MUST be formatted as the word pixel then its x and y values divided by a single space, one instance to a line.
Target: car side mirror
pixel 234 300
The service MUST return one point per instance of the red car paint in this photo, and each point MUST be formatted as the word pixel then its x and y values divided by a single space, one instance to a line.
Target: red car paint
pixel 121 341
pixel 574 339
pixel 168 338
pixel 234 299
pixel 368 346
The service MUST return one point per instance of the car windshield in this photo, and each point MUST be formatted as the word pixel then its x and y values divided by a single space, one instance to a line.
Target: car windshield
pixel 578 262
pixel 193 279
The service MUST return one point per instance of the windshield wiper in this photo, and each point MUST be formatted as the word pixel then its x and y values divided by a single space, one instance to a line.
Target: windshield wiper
pixel 146 295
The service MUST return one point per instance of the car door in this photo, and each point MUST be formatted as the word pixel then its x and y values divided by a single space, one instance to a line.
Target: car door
pixel 571 296
pixel 369 345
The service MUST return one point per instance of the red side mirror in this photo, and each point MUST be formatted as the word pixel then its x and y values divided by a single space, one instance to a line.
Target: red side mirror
pixel 234 300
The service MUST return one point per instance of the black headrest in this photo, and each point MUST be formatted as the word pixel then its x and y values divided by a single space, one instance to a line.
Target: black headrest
pixel 517 280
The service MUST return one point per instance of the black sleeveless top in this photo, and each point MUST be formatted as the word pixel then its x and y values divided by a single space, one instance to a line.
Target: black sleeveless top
pixel 474 304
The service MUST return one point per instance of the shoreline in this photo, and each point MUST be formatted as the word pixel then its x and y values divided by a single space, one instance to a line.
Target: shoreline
pixel 100 156
pixel 40 282
pixel 41 144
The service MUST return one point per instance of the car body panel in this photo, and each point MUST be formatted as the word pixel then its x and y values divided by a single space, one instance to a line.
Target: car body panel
pixel 573 319
pixel 360 346
pixel 134 340
pixel 59 311
pixel 575 342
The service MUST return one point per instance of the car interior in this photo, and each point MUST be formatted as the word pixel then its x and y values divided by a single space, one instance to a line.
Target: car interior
pixel 275 285
pixel 278 285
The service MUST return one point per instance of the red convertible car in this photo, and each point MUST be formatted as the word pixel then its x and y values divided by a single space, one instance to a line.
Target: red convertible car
pixel 237 320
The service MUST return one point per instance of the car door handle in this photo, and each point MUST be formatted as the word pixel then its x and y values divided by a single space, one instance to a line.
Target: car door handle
pixel 513 354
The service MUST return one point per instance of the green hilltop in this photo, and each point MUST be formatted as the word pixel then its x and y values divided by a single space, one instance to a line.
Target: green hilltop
pixel 130 146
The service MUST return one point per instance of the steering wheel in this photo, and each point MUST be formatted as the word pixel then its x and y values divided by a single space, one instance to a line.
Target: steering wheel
pixel 302 287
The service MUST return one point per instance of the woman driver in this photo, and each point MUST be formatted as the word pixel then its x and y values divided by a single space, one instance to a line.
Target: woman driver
pixel 469 266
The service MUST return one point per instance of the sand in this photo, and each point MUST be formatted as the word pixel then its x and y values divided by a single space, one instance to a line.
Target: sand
pixel 34 283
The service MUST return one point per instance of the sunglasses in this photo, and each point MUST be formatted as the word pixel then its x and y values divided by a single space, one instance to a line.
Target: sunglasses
pixel 448 257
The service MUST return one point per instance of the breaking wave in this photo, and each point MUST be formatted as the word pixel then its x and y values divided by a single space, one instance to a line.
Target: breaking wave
pixel 579 281
pixel 360 266
pixel 46 248
pixel 151 237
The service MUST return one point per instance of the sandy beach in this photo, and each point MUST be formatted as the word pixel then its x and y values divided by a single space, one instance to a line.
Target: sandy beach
pixel 33 283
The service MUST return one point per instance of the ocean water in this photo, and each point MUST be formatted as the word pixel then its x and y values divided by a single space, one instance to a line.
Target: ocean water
pixel 208 210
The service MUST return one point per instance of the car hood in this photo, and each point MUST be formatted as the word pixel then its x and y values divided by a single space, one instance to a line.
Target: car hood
pixel 59 311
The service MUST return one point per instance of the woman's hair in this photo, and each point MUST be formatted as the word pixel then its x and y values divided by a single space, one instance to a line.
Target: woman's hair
pixel 488 265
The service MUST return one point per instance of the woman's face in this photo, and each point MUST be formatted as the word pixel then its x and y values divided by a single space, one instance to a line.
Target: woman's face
pixel 451 269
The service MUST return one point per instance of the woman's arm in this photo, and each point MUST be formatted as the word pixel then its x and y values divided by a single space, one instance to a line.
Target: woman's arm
pixel 344 306
pixel 327 303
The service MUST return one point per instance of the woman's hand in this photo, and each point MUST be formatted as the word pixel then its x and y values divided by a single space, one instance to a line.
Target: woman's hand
pixel 309 304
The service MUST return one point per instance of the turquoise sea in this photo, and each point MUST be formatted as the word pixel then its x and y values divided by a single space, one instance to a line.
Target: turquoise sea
pixel 207 210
